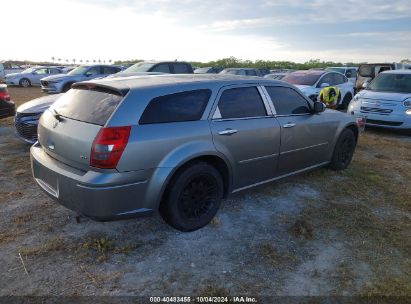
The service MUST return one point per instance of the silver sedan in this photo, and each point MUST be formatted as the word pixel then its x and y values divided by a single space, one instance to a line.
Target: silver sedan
pixel 31 76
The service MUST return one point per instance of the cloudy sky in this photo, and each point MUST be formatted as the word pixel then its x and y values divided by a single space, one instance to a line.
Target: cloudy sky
pixel 203 30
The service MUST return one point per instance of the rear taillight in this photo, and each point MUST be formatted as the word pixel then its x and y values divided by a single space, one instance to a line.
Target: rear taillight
pixel 4 95
pixel 108 146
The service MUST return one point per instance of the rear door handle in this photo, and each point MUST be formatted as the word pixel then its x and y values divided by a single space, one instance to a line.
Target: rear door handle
pixel 228 132
pixel 289 125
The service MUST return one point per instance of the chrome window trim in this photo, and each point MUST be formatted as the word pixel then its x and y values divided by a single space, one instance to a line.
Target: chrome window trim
pixel 216 116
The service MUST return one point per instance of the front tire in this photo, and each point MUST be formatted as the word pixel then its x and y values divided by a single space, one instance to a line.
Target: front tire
pixel 343 150
pixel 25 83
pixel 193 197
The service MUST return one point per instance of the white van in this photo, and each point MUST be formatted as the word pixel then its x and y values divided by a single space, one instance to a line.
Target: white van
pixel 8 68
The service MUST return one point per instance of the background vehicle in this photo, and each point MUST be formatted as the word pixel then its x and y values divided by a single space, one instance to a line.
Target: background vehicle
pixel 349 72
pixel 386 101
pixel 31 76
pixel 276 76
pixel 8 68
pixel 28 115
pixel 242 72
pixel 180 143
pixel 7 107
pixel 156 67
pixel 208 70
pixel 62 82
pixel 368 71
pixel 311 82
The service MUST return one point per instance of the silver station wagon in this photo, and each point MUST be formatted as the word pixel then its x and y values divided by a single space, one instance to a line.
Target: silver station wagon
pixel 178 144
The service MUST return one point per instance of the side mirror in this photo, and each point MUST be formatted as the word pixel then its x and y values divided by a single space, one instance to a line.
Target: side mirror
pixel 365 85
pixel 324 85
pixel 348 74
pixel 319 107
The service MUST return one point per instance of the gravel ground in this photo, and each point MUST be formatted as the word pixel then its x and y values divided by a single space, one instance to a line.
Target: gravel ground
pixel 303 236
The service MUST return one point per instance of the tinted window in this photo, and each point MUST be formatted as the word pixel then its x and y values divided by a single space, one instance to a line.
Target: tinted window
pixel 93 71
pixel 163 68
pixel 250 73
pixel 339 79
pixel 185 106
pixel 287 101
pixel 41 71
pixel 110 70
pixel 180 68
pixel 327 79
pixel 90 106
pixel 241 102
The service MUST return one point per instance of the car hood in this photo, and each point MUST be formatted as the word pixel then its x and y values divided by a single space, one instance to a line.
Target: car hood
pixel 38 105
pixel 59 77
pixel 389 96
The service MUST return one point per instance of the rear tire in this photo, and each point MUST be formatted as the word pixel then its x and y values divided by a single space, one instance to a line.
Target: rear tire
pixel 25 83
pixel 343 150
pixel 193 197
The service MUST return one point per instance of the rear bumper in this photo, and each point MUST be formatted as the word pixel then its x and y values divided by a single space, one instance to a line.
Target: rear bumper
pixel 98 195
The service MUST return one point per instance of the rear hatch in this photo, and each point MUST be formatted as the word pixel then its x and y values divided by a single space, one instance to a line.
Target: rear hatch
pixel 67 129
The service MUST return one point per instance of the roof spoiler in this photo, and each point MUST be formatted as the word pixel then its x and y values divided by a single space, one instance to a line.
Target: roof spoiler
pixel 99 88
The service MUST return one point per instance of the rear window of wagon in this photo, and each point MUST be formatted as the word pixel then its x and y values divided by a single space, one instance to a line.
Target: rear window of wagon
pixel 93 105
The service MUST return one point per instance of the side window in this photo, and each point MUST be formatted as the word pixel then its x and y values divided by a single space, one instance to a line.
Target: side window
pixel 327 79
pixel 241 102
pixel 109 70
pixel 287 101
pixel 250 73
pixel 339 79
pixel 93 71
pixel 41 71
pixel 54 71
pixel 163 68
pixel 180 68
pixel 185 106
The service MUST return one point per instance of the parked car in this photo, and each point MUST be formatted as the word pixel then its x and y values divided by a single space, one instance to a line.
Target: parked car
pixel 7 107
pixel 31 76
pixel 178 144
pixel 28 115
pixel 349 72
pixel 156 67
pixel 386 101
pixel 208 70
pixel 242 72
pixel 62 82
pixel 311 82
pixel 8 68
pixel 276 76
pixel 368 71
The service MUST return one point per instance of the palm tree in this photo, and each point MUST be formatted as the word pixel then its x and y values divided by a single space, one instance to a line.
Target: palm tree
pixel 59 59
pixel 53 58
pixel 110 61
pixel 87 60
pixel 81 60
pixel 74 60
pixel 94 60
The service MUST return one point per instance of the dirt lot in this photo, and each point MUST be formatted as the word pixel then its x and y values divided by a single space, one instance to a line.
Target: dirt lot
pixel 322 233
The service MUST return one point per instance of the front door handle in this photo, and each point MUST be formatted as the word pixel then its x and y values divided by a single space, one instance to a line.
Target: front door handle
pixel 289 125
pixel 228 132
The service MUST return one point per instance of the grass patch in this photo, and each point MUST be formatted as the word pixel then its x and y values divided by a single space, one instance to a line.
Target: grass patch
pixel 389 287
pixel 213 291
